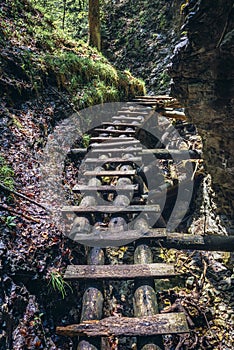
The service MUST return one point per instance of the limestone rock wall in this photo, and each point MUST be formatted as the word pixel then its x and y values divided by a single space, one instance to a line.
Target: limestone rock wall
pixel 203 80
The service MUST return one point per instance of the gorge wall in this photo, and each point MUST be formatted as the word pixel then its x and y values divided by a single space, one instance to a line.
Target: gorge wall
pixel 202 69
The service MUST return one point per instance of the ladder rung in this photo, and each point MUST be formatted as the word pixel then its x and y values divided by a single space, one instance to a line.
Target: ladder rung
pixel 157 270
pixel 107 188
pixel 113 160
pixel 168 323
pixel 110 209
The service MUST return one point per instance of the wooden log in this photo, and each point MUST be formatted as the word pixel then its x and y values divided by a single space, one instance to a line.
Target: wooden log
pixel 150 347
pixel 158 324
pixel 110 139
pixel 113 160
pixel 143 255
pixel 109 173
pixel 135 113
pixel 106 188
pixel 84 345
pixel 133 124
pixel 111 209
pixel 96 256
pixel 145 301
pixel 117 132
pixel 156 97
pixel 117 150
pixel 92 305
pixel 138 118
pixel 119 271
pixel 117 143
pixel 174 115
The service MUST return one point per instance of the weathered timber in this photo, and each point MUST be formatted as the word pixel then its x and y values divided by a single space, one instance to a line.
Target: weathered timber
pixel 160 153
pixel 105 188
pixel 113 160
pixel 119 271
pixel 118 150
pixel 123 117
pixel 180 241
pixel 150 325
pixel 174 114
pixel 143 255
pixel 117 132
pixel 150 347
pixel 117 143
pixel 84 345
pixel 130 125
pixel 137 113
pixel 92 304
pixel 110 139
pixel 163 153
pixel 111 209
pixel 154 97
pixel 145 301
pixel 109 173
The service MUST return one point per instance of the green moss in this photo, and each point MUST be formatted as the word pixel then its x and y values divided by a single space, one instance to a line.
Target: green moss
pixel 6 174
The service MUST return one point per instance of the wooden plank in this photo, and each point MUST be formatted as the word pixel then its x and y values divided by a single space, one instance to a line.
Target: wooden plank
pixel 160 237
pixel 157 270
pixel 117 132
pixel 130 125
pixel 123 117
pixel 137 113
pixel 107 188
pixel 110 139
pixel 115 144
pixel 110 209
pixel 113 160
pixel 110 173
pixel 117 150
pixel 168 323
pixel 150 97
pixel 174 114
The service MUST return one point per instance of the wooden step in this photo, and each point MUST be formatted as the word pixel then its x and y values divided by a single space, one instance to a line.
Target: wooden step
pixel 126 149
pixel 126 125
pixel 113 160
pixel 117 132
pixel 156 97
pixel 110 209
pixel 119 271
pixel 111 139
pixel 105 173
pixel 105 188
pixel 168 323
pixel 159 236
pixel 123 117
pixel 129 112
pixel 115 144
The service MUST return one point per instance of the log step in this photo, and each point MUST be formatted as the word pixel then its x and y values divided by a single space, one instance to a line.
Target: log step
pixel 110 139
pixel 137 113
pixel 117 143
pixel 113 160
pixel 123 117
pixel 119 271
pixel 159 236
pixel 117 132
pixel 117 150
pixel 110 209
pixel 170 323
pixel 105 173
pixel 107 188
pixel 130 125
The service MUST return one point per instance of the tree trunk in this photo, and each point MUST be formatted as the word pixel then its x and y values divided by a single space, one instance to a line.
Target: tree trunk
pixel 94 24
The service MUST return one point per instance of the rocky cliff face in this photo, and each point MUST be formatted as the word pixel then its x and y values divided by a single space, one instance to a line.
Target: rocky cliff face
pixel 203 80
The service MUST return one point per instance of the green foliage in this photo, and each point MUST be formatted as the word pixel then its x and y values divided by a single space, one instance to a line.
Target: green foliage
pixel 9 221
pixel 85 140
pixel 6 174
pixel 58 283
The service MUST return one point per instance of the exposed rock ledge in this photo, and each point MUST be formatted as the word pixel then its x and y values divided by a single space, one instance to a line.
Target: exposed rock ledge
pixel 203 80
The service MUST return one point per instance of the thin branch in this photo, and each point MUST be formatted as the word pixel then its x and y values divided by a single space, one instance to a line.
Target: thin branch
pixel 5 188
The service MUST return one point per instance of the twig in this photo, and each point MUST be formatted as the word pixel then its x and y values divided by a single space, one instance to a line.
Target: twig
pixel 5 188
pixel 27 217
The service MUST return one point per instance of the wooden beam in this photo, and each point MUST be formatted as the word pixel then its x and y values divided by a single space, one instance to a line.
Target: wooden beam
pixel 119 271
pixel 130 125
pixel 113 160
pixel 111 209
pixel 117 143
pixel 117 132
pixel 171 323
pixel 123 117
pixel 105 188
pixel 137 113
pixel 94 173
pixel 117 150
pixel 111 139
